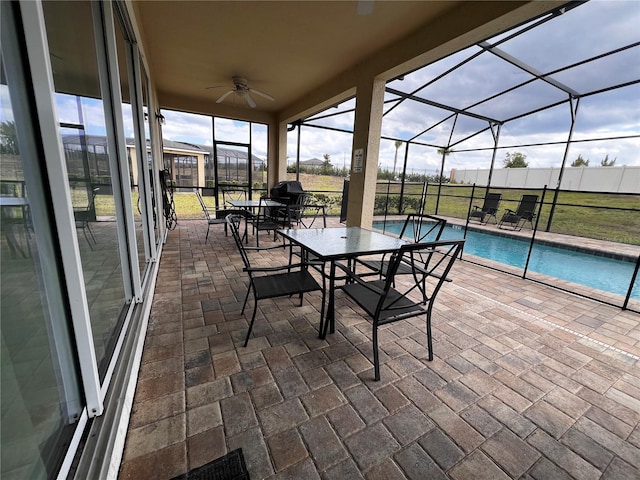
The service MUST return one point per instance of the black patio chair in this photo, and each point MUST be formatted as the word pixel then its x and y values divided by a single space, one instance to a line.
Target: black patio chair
pixel 295 278
pixel 489 209
pixel 304 213
pixel 84 216
pixel 419 228
pixel 211 219
pixel 311 212
pixel 265 220
pixel 388 300
pixel 525 212
pixel 230 193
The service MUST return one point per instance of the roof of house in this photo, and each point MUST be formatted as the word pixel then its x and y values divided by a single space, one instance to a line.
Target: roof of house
pixel 312 162
pixel 101 140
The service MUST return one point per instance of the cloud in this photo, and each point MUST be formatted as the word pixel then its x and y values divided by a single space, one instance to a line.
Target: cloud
pixel 187 127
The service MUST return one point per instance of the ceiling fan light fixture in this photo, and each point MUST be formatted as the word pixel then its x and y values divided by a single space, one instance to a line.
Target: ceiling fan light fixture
pixel 241 89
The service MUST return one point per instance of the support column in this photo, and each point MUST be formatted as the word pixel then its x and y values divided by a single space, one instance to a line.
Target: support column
pixel 200 169
pixel 277 160
pixel 366 138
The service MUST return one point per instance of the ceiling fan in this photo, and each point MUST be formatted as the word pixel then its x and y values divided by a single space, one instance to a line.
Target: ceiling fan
pixel 241 88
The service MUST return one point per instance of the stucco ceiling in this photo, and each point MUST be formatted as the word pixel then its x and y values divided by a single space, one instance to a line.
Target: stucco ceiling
pixel 283 48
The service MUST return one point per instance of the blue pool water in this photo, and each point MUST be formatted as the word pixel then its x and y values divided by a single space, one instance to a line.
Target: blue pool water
pixel 602 273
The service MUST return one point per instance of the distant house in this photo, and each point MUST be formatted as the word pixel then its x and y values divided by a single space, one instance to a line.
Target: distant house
pixel 190 165
pixel 312 162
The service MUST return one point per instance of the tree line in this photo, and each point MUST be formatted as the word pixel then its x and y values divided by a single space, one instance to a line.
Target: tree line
pixel 518 160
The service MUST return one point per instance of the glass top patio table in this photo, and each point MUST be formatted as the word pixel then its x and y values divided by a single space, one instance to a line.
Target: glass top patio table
pixel 251 206
pixel 255 203
pixel 341 243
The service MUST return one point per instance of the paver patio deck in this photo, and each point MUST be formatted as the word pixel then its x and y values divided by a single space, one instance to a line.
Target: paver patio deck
pixel 527 381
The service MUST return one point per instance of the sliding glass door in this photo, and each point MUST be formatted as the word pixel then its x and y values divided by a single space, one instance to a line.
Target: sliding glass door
pixel 42 397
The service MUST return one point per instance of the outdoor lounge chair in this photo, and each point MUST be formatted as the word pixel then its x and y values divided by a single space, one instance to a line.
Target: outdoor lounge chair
pixel 525 212
pixel 266 282
pixel 388 301
pixel 489 209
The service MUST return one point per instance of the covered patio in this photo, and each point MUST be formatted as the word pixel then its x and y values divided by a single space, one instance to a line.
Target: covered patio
pixel 527 381
pixel 121 329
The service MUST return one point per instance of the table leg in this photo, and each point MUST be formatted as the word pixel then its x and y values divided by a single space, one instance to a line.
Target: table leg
pixel 330 321
pixel 246 230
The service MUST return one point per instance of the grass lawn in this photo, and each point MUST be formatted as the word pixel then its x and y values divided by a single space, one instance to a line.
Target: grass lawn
pixel 613 217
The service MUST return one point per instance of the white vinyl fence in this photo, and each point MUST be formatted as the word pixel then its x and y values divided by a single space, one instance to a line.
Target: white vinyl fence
pixel 624 179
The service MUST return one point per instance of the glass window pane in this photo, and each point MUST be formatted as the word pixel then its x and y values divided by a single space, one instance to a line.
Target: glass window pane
pixel 233 163
pixel 80 110
pixel 41 399
pixel 137 185
pixel 188 159
pixel 227 130
pixel 325 160
pixel 147 155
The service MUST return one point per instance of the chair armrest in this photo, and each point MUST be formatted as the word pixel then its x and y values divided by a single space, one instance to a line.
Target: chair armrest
pixel 276 268
pixel 274 247
pixel 426 272
pixel 365 263
pixel 351 275
pixel 315 205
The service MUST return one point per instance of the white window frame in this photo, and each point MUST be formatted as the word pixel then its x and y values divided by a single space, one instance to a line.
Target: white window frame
pixel 47 118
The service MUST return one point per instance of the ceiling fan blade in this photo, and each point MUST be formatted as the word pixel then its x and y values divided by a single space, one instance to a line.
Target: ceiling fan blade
pixel 223 97
pixel 250 100
pixel 213 86
pixel 257 92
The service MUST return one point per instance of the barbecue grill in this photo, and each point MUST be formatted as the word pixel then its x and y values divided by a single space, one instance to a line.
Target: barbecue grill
pixel 287 192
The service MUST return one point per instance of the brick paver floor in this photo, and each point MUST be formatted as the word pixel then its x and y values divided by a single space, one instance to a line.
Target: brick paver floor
pixel 527 381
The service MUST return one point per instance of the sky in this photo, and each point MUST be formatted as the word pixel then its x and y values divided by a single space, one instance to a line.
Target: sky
pixel 591 29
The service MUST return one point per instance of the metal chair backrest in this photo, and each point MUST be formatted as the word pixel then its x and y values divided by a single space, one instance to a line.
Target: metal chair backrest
pixel 527 206
pixel 233 193
pixel 205 210
pixel 233 223
pixel 87 213
pixel 491 202
pixel 296 209
pixel 422 228
pixel 430 263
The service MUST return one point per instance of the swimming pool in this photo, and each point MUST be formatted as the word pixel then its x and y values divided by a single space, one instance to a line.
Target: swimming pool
pixel 602 273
